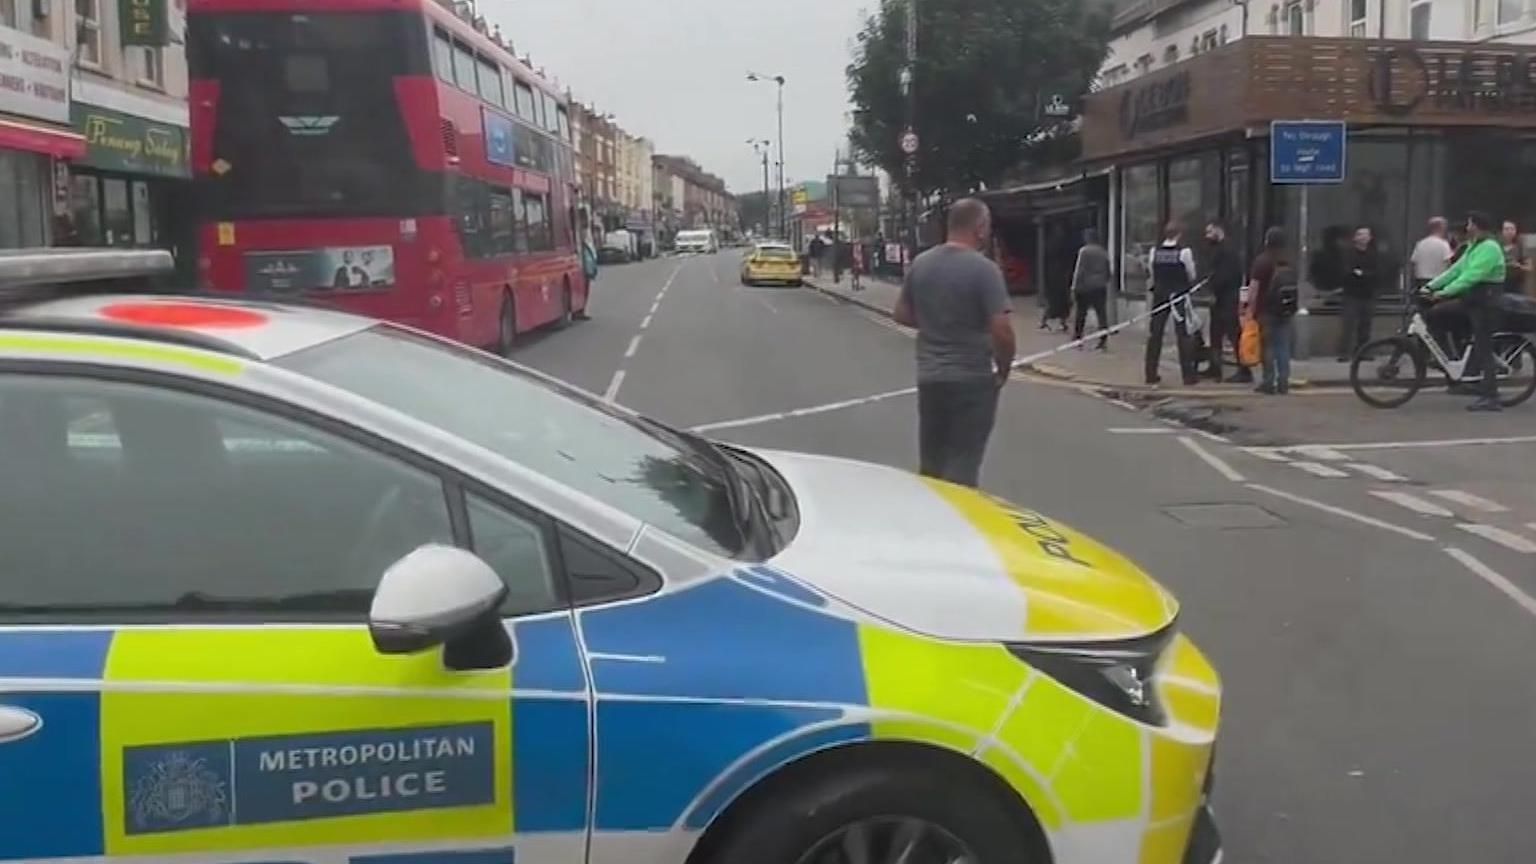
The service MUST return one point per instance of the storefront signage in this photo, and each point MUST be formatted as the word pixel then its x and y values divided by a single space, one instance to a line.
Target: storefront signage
pixel 1404 80
pixel 34 77
pixel 1307 152
pixel 144 22
pixel 122 142
pixel 1160 105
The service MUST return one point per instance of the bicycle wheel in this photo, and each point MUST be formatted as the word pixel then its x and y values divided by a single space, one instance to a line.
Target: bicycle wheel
pixel 1515 359
pixel 1386 373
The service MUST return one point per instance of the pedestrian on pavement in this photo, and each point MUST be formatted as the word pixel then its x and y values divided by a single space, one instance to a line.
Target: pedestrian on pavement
pixel 1361 281
pixel 589 269
pixel 1172 265
pixel 1225 282
pixel 1274 299
pixel 1516 266
pixel 857 267
pixel 1431 255
pixel 956 298
pixel 817 249
pixel 1479 276
pixel 1090 286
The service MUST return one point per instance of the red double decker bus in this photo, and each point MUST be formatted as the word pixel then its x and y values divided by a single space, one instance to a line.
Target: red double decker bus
pixel 386 156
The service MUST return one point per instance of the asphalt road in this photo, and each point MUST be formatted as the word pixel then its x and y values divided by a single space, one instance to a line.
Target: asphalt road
pixel 1376 653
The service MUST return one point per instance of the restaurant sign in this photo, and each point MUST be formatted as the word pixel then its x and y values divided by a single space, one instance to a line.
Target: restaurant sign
pixel 1405 80
pixel 34 77
pixel 1159 105
pixel 122 142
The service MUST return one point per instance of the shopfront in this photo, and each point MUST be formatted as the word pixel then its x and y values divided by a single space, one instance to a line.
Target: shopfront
pixel 34 136
pixel 130 187
pixel 1433 129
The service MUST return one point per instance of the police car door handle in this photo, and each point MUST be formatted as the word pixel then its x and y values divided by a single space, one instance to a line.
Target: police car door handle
pixel 17 723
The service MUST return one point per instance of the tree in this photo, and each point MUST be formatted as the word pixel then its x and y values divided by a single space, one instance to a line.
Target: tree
pixel 982 69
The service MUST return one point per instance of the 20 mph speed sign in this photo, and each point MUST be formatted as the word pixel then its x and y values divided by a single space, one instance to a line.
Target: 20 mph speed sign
pixel 909 143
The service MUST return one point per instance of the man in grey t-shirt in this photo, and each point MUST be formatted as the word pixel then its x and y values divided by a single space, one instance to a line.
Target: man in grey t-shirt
pixel 957 299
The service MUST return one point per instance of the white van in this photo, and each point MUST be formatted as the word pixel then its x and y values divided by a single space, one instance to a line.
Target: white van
pixel 697 243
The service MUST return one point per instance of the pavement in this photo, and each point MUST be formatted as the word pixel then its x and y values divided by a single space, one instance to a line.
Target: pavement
pixel 1365 581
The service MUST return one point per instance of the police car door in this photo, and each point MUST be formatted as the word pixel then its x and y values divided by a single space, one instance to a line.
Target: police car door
pixel 186 664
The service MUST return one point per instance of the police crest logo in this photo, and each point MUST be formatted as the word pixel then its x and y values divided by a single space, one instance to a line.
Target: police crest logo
pixel 178 789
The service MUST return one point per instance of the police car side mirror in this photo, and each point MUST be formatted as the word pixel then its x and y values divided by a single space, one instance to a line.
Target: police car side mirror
pixel 435 596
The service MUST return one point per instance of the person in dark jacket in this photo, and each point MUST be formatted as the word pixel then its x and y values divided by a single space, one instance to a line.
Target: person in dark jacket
pixel 1090 285
pixel 1360 281
pixel 1172 265
pixel 1225 282
pixel 1271 275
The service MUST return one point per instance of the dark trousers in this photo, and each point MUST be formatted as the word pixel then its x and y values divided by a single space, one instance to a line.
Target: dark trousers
pixel 954 422
pixel 1185 340
pixel 1225 330
pixel 1485 316
pixel 1355 327
pixel 1098 301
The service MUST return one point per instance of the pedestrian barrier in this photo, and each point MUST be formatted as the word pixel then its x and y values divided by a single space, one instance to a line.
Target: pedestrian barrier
pixel 1019 363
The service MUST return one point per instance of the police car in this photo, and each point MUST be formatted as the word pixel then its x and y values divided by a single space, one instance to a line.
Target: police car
pixel 284 585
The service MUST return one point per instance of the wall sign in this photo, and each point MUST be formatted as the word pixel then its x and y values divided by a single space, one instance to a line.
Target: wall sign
pixel 123 142
pixel 1404 80
pixel 143 22
pixel 1307 152
pixel 34 77
pixel 1159 105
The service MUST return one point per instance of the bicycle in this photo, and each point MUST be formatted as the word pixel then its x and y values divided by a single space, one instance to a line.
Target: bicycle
pixel 1513 354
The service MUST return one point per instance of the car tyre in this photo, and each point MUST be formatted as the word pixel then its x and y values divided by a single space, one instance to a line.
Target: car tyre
pixel 506 326
pixel 792 824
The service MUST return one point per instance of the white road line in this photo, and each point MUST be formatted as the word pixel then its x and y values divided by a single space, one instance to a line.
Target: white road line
pixel 1138 430
pixel 1318 469
pixel 1340 511
pixel 1467 499
pixel 1268 454
pixel 1123 404
pixel 1414 503
pixel 634 345
pixel 1322 454
pixel 611 394
pixel 1377 472
pixel 655 306
pixel 1211 459
pixel 646 322
pixel 1492 577
pixel 1507 539
pixel 1449 442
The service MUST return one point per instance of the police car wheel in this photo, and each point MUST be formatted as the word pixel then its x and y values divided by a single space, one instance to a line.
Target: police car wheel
pixel 875 813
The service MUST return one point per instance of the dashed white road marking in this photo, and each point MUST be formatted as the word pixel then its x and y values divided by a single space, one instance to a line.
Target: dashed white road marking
pixel 1507 539
pixel 1467 499
pixel 1322 454
pixel 1341 512
pixel 1144 430
pixel 1377 472
pixel 634 345
pixel 1414 503
pixel 1492 577
pixel 1318 469
pixel 1267 454
pixel 1448 442
pixel 1211 459
pixel 646 322
pixel 613 386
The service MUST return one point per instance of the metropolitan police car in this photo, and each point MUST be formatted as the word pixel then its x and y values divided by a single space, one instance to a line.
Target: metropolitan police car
pixel 284 585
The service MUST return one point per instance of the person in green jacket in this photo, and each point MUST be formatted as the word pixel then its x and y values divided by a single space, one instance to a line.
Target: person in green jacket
pixel 1476 280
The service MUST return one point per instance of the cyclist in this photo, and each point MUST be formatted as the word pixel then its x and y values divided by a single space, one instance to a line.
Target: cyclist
pixel 1474 282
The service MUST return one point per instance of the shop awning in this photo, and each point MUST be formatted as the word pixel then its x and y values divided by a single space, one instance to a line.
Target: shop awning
pixel 15 135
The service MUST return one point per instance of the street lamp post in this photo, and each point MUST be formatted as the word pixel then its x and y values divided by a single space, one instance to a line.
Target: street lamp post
pixel 783 212
pixel 909 90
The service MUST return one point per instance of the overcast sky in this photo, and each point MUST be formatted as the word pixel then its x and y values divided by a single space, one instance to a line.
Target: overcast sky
pixel 675 72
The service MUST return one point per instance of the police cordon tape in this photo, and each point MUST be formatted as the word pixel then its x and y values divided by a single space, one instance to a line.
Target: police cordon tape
pixel 1019 363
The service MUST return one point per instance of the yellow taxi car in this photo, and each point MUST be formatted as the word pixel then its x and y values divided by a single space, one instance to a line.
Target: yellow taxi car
pixel 771 262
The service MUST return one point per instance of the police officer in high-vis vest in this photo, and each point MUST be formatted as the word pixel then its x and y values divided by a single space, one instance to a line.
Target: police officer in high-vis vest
pixel 1172 265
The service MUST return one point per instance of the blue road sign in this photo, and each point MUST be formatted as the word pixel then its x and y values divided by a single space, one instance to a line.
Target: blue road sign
pixel 1307 151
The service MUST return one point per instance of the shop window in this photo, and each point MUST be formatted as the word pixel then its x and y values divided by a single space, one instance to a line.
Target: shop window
pixel 1419 19
pixel 143 215
pixel 117 212
pixel 22 207
pixel 148 66
pixel 85 209
pixel 88 32
pixel 1141 229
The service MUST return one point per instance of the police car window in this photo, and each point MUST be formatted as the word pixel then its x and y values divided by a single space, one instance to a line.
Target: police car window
pixel 157 502
pixel 514 547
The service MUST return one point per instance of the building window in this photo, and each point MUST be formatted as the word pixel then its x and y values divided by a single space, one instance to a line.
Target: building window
pixel 1295 20
pixel 149 66
pixel 1223 34
pixel 7 13
pixel 1144 63
pixel 1418 19
pixel 1208 41
pixel 1357 18
pixel 88 31
pixel 1511 11
pixel 1194 47
pixel 1171 55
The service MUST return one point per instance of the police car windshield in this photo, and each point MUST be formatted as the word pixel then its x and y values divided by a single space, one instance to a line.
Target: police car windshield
pixel 635 465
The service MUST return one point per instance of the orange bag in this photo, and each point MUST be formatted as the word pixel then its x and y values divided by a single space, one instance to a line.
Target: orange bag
pixel 1250 345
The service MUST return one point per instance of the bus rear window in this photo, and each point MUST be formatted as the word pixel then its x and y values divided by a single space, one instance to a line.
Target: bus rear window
pixel 308 122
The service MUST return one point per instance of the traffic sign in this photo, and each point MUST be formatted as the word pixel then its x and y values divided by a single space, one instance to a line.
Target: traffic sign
pixel 1307 151
pixel 1057 106
pixel 909 143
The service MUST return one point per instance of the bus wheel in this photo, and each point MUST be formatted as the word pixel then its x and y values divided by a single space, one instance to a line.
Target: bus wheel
pixel 567 314
pixel 506 326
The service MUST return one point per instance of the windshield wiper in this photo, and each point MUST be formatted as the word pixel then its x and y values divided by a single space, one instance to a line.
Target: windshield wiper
pixel 739 493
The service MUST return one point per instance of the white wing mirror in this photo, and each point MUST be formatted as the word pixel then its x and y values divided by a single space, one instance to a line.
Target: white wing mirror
pixel 439 595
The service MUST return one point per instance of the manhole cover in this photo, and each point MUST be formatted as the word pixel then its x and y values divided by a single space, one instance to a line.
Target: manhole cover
pixel 1224 516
